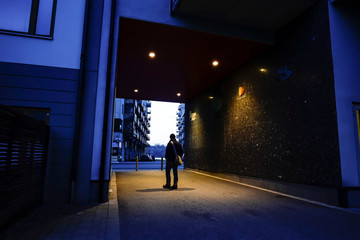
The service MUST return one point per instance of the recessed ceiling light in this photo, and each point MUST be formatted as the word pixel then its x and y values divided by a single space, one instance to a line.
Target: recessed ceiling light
pixel 178 94
pixel 215 63
pixel 152 54
pixel 262 70
pixel 211 97
pixel 136 90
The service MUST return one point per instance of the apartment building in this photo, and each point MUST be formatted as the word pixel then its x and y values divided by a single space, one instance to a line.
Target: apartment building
pixel 180 123
pixel 118 144
pixel 136 128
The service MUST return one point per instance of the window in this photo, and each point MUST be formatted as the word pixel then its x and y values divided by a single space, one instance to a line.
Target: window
pixel 27 17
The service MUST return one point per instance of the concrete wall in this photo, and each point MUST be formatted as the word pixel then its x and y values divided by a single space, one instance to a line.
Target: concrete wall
pixel 284 127
pixel 100 92
pixel 345 39
pixel 96 89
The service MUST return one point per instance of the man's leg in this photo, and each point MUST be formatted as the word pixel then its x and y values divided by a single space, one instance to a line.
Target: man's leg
pixel 175 171
pixel 167 174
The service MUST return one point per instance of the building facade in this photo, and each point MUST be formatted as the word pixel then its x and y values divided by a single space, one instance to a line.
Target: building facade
pixel 295 122
pixel 136 128
pixel 131 129
pixel 180 123
pixel 118 143
pixel 55 56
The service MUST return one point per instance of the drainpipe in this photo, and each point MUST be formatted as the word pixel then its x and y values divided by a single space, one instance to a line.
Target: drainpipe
pixel 79 104
pixel 106 107
pixel 174 4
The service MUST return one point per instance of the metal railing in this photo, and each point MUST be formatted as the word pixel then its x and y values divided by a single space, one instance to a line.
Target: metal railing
pixel 23 154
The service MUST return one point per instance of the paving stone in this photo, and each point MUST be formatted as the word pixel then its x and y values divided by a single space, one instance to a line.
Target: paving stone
pixel 65 222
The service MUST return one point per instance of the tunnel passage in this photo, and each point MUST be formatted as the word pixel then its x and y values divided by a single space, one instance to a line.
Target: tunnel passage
pixel 182 62
pixel 271 118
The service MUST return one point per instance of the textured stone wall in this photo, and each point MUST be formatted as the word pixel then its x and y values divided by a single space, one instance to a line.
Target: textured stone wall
pixel 284 126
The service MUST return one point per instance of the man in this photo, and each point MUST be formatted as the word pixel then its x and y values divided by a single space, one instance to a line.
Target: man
pixel 170 156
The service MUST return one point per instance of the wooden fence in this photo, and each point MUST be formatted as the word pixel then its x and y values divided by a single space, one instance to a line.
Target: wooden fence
pixel 23 153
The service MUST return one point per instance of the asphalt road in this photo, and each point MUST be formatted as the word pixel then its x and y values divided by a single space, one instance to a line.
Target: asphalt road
pixel 143 165
pixel 208 208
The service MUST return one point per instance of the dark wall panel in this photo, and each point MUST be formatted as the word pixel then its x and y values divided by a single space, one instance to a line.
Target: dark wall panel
pixel 62 120
pixel 37 95
pixel 56 108
pixel 38 71
pixel 33 86
pixel 284 127
pixel 37 83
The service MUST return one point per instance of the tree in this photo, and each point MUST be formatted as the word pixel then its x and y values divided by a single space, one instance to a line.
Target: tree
pixel 156 150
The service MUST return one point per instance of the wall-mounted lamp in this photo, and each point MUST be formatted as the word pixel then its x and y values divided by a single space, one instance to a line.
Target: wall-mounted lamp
pixel 178 94
pixel 215 63
pixel 136 90
pixel 241 91
pixel 263 70
pixel 192 116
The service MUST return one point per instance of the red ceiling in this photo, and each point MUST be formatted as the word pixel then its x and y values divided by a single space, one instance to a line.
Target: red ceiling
pixel 182 63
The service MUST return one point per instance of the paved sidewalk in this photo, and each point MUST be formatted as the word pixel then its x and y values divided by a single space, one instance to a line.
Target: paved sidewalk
pixel 204 207
pixel 60 222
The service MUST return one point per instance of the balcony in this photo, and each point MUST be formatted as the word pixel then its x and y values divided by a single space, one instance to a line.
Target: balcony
pixel 147 137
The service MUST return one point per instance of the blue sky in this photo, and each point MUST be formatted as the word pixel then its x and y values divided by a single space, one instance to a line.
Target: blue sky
pixel 163 121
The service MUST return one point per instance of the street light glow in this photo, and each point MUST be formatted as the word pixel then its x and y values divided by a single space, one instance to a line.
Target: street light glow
pixel 152 54
pixel 215 63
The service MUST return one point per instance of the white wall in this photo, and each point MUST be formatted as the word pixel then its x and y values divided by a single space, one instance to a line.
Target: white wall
pixel 63 51
pixel 101 91
pixel 345 39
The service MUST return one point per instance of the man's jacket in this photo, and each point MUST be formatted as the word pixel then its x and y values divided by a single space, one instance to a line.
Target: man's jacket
pixel 170 155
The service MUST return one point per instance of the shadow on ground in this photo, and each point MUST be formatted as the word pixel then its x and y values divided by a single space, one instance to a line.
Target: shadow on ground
pixel 162 190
